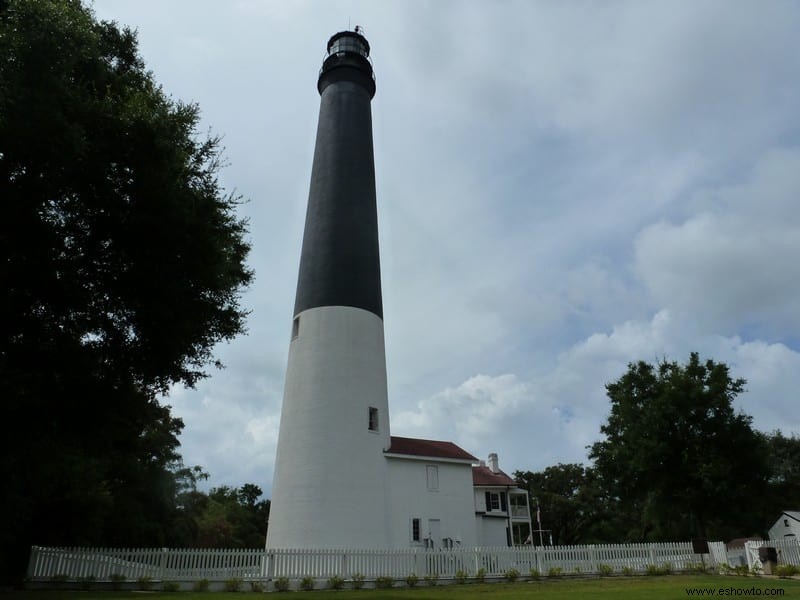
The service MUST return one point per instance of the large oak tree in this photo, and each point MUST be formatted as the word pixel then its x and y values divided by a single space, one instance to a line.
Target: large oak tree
pixel 122 260
pixel 677 456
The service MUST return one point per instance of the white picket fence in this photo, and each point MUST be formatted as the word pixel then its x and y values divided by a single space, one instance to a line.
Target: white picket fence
pixel 176 564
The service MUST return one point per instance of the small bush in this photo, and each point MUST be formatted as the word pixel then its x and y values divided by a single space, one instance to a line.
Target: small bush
pixel 201 585
pixel 357 580
pixel 335 583
pixel 666 569
pixel 281 584
pixel 627 571
pixel 233 584
pixel 535 575
pixel 145 583
pixel 461 576
pixel 412 580
pixel 117 579
pixel 605 570
pixel 480 575
pixel 577 571
pixel 307 584
pixel 170 586
pixel 511 575
pixel 384 582
pixel 432 579
pixel 697 568
pixel 555 572
pixel 87 582
pixel 786 570
pixel 257 586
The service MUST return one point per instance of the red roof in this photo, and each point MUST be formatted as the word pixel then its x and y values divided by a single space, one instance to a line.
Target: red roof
pixel 484 476
pixel 432 448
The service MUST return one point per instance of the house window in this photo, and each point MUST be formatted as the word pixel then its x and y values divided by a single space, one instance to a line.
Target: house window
pixel 373 418
pixel 415 525
pixel 433 477
pixel 295 328
pixel 786 522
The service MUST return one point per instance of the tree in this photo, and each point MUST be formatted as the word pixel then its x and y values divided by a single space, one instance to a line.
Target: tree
pixel 678 454
pixel 121 265
pixel 573 507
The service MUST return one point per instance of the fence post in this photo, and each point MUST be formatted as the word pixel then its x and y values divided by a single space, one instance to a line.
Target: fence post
pixel 162 564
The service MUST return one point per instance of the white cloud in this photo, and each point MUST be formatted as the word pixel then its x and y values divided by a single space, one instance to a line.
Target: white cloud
pixel 735 262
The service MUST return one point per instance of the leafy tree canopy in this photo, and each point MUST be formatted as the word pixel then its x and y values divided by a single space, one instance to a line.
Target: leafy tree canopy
pixel 121 263
pixel 571 503
pixel 676 452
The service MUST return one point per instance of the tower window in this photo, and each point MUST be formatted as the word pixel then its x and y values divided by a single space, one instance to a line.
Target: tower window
pixel 414 530
pixel 295 328
pixel 373 418
pixel 433 477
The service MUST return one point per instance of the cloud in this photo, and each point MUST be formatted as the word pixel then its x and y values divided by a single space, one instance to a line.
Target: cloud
pixel 734 263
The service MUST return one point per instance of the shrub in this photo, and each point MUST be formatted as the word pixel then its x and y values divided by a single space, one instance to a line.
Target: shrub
pixel 170 586
pixel 87 582
pixel 117 580
pixel 666 569
pixel 535 575
pixel 577 571
pixel 412 580
pixel 605 570
pixel 512 575
pixel 234 584
pixel 307 583
pixel 627 571
pixel 145 583
pixel 336 582
pixel 358 581
pixel 281 584
pixel 201 585
pixel 555 572
pixel 257 586
pixel 384 582
pixel 786 570
pixel 697 568
pixel 461 576
pixel 480 575
pixel 432 579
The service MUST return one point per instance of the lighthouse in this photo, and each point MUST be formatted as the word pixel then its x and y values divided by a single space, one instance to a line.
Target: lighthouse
pixel 330 482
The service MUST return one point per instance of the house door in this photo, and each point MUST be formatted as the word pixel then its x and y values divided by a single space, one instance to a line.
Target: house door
pixel 434 533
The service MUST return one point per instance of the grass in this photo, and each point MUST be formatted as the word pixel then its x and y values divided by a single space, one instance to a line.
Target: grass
pixel 645 588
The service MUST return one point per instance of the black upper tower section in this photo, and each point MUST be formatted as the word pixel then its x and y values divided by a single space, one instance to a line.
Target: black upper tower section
pixel 340 262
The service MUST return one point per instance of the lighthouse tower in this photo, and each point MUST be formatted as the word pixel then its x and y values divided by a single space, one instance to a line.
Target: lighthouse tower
pixel 329 488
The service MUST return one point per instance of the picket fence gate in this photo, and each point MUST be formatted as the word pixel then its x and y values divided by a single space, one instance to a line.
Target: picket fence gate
pixel 186 564
pixel 788 552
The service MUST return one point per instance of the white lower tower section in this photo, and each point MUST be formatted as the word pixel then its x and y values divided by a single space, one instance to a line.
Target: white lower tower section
pixel 330 447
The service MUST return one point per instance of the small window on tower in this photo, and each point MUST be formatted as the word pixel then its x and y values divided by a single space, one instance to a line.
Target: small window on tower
pixel 295 328
pixel 373 418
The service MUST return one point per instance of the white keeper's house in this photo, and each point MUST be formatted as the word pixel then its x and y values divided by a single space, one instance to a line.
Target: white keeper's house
pixel 443 497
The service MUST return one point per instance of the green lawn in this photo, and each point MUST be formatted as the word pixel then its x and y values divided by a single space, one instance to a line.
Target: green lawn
pixel 647 588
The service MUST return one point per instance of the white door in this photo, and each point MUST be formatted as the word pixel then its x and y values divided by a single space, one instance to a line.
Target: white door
pixel 434 532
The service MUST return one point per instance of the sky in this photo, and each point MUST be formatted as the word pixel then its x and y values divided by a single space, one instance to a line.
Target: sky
pixel 563 188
